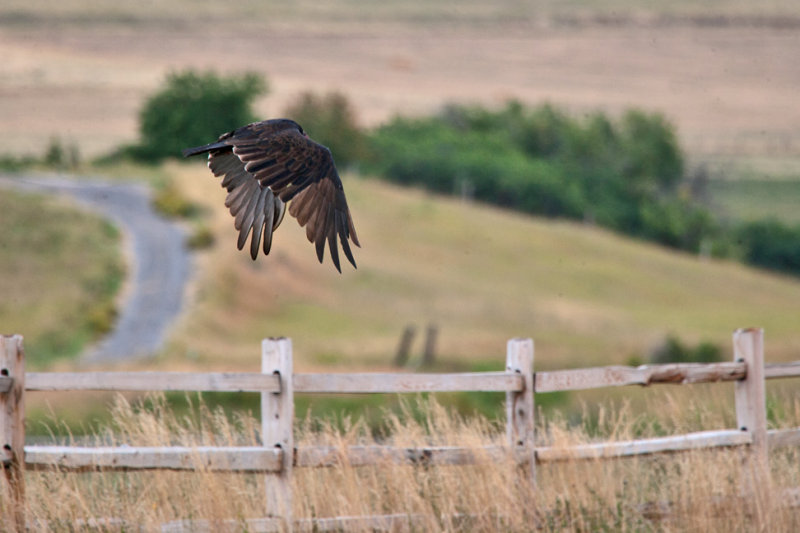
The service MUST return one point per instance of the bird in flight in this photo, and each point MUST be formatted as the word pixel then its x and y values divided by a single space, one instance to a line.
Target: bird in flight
pixel 267 165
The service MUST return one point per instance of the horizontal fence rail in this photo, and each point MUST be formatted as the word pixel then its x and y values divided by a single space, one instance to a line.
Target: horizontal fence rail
pixel 277 383
pixel 125 458
pixel 607 450
pixel 616 376
pixel 782 370
pixel 371 383
pixel 259 459
pixel 152 381
pixel 324 456
pixel 360 383
pixel 403 383
pixel 782 438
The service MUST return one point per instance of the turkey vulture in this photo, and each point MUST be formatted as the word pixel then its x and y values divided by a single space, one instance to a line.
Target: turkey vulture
pixel 266 165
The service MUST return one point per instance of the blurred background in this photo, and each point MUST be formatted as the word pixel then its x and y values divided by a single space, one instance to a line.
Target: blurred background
pixel 617 179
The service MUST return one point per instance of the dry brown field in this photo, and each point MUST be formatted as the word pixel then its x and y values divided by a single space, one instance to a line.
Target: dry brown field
pixel 725 74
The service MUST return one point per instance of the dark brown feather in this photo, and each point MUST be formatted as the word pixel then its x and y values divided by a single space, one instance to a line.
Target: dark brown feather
pixel 266 164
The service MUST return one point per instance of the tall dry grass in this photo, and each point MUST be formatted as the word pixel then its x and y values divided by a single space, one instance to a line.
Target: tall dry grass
pixel 692 491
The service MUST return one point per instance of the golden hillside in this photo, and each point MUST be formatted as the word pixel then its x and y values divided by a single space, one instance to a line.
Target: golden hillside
pixel 482 275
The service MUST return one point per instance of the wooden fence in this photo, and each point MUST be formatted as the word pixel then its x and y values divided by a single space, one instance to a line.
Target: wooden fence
pixel 278 456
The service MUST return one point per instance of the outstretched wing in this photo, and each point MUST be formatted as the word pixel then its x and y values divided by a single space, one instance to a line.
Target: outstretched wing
pixel 254 208
pixel 299 170
pixel 267 164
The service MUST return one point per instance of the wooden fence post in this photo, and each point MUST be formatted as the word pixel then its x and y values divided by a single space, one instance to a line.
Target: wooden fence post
pixel 520 405
pixel 751 406
pixel 12 424
pixel 404 348
pixel 277 422
pixel 429 350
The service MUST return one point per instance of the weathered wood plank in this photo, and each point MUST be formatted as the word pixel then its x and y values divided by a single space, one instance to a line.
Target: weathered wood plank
pixel 224 459
pixel 520 427
pixel 329 456
pixel 615 376
pixel 782 370
pixel 258 459
pixel 252 458
pixel 388 383
pixel 605 450
pixel 376 382
pixel 277 424
pixel 152 381
pixel 782 438
pixel 751 415
pixel 12 424
pixel 395 523
pixel 308 383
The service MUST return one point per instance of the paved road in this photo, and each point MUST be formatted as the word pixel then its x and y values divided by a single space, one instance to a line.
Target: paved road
pixel 159 264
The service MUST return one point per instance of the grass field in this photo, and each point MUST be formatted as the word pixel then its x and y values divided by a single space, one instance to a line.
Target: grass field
pixel 60 271
pixel 756 199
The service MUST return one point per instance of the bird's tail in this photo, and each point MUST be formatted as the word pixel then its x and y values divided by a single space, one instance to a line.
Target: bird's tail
pixel 187 152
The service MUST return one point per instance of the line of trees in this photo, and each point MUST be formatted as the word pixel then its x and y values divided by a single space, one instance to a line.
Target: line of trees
pixel 625 175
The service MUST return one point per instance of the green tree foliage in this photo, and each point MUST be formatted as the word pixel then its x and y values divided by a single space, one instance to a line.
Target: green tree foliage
pixel 330 120
pixel 624 175
pixel 771 244
pixel 61 156
pixel 652 154
pixel 194 108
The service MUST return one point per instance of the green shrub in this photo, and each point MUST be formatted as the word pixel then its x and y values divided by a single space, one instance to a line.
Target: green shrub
pixel 650 148
pixel 101 318
pixel 170 202
pixel 14 163
pixel 61 156
pixel 192 109
pixel 770 244
pixel 676 223
pixel 201 237
pixel 675 351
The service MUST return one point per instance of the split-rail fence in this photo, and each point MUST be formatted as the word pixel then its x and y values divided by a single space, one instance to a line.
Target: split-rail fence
pixel 278 456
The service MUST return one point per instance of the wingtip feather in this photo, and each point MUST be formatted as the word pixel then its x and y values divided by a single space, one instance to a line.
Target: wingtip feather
pixel 320 246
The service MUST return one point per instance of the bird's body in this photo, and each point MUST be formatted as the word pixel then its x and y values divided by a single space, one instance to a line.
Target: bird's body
pixel 267 165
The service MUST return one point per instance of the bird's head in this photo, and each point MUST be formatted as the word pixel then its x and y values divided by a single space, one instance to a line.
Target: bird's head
pixel 289 123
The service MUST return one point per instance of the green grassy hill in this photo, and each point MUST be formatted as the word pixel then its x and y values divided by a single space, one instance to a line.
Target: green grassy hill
pixel 60 270
pixel 482 275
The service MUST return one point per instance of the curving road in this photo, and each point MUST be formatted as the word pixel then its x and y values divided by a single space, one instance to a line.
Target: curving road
pixel 159 265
